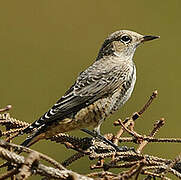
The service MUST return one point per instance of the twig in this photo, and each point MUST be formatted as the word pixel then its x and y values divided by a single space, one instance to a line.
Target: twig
pixel 25 149
pixel 132 133
pixel 41 169
pixel 101 174
pixel 73 158
pixel 134 170
pixel 154 175
pixel 12 122
pixel 9 174
pixel 152 97
pixel 25 170
pixel 134 162
pixel 7 108
pixel 176 173
pixel 78 144
pixel 157 126
pixel 150 139
pixel 128 121
pixel 11 131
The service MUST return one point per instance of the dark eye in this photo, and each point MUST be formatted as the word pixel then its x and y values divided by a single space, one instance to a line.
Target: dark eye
pixel 125 38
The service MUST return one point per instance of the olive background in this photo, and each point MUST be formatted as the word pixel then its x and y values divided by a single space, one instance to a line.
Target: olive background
pixel 45 44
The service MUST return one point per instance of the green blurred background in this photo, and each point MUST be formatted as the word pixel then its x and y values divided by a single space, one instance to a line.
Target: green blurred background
pixel 45 44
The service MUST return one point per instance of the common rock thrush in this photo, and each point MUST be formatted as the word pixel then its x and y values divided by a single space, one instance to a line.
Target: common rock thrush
pixel 98 91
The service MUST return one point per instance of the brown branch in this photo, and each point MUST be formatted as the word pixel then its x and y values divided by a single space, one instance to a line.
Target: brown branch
pixel 78 144
pixel 129 121
pixel 7 108
pixel 131 132
pixel 151 174
pixel 73 158
pixel 175 172
pixel 12 122
pixel 151 139
pixel 157 126
pixel 134 162
pixel 11 131
pixel 152 97
pixel 25 170
pixel 136 169
pixel 9 174
pixel 27 150
pixel 101 174
pixel 40 168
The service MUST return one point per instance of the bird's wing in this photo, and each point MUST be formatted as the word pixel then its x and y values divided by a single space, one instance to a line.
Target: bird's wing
pixel 91 85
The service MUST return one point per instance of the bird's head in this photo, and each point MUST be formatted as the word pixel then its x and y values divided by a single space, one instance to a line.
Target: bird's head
pixel 123 44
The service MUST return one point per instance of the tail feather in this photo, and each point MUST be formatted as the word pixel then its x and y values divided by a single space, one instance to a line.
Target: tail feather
pixel 27 130
pixel 30 140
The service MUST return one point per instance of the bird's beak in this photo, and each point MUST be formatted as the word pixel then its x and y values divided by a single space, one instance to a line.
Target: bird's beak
pixel 149 38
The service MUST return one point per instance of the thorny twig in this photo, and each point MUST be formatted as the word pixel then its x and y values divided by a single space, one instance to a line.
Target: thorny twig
pixel 135 162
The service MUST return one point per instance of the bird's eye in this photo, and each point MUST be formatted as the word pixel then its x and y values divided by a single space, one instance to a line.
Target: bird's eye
pixel 125 39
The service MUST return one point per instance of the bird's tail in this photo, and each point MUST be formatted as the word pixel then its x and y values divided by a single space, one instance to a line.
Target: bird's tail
pixel 30 140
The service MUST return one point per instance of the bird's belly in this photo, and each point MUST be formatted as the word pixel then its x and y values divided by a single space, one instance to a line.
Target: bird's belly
pixel 86 117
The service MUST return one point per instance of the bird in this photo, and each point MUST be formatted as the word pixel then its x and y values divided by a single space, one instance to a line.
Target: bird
pixel 98 91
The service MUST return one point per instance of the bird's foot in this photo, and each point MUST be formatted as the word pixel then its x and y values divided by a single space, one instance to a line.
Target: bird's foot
pixel 95 134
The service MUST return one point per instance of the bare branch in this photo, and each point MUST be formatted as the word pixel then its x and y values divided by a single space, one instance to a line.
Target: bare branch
pixel 134 162
pixel 25 170
pixel 40 168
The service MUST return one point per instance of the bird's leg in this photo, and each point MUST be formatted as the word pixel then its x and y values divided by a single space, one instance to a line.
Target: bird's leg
pixel 97 134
